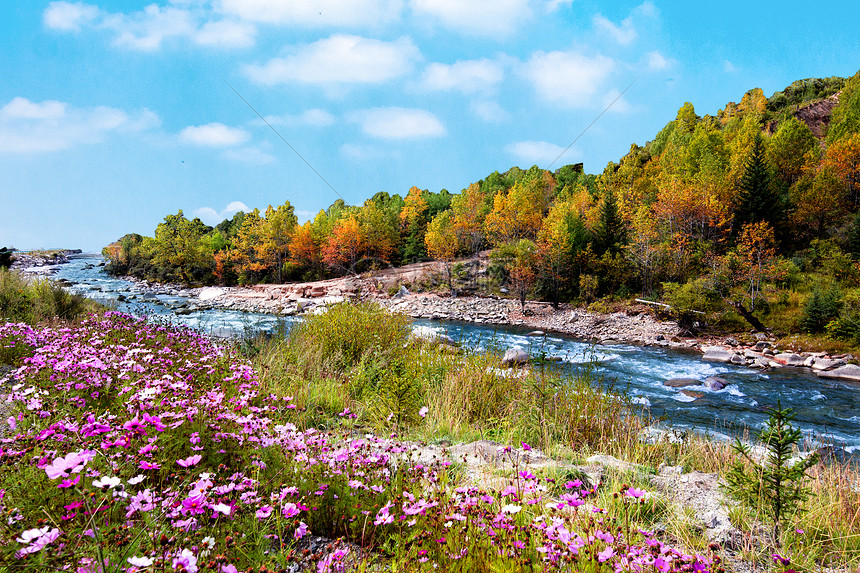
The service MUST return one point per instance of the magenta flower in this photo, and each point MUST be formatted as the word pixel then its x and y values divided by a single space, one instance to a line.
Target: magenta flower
pixel 149 466
pixel 190 461
pixel 634 493
pixel 69 483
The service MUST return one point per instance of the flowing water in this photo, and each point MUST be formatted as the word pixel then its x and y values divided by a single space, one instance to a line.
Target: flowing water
pixel 828 412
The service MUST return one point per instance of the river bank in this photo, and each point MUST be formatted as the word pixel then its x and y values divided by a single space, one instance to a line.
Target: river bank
pixel 636 324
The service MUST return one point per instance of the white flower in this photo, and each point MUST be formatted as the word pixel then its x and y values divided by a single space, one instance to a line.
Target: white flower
pixel 137 479
pixel 140 561
pixel 110 482
pixel 423 411
pixel 221 508
pixel 511 508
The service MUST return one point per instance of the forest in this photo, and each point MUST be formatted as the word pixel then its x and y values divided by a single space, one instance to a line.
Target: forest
pixel 750 216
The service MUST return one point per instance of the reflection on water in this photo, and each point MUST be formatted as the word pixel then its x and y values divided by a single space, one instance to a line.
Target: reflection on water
pixel 827 411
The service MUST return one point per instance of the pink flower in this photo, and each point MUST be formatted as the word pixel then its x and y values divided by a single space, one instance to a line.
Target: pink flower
pixel 229 568
pixel 264 512
pixel 148 466
pixel 605 554
pixel 190 461
pixel 187 560
pixel 634 493
pixel 423 411
pixel 301 530
pixel 290 510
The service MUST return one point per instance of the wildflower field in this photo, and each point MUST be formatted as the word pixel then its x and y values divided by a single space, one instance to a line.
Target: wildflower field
pixel 128 446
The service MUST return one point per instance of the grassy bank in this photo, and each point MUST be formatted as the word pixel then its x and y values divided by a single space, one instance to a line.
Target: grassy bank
pixel 135 447
pixel 31 300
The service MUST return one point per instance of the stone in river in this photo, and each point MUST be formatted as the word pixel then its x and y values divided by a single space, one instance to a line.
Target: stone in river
pixel 790 359
pixel 849 372
pixel 210 292
pixel 692 393
pixel 681 382
pixel 535 333
pixel 515 356
pixel 715 383
pixel 718 354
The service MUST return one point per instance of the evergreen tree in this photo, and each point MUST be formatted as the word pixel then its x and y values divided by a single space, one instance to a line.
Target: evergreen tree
pixel 611 232
pixel 758 198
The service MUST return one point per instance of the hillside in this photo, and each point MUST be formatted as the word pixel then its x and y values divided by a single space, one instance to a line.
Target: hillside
pixel 745 216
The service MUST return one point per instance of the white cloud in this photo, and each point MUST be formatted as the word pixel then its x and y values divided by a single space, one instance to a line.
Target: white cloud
pixel 212 217
pixel 489 111
pixel 214 135
pixel 226 34
pixel 553 5
pixel 398 123
pixel 729 67
pixel 624 34
pixel 251 155
pixel 148 29
pixel 309 117
pixel 22 108
pixel 534 152
pixel 315 13
pixel 31 127
pixel 68 16
pixel 569 79
pixel 656 61
pixel 616 102
pixel 338 60
pixel 488 18
pixel 466 76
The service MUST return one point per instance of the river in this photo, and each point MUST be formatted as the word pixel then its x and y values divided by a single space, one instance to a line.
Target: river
pixel 828 412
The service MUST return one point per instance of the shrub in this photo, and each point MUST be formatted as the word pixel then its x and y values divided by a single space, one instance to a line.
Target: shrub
pixel 776 485
pixel 346 333
pixel 38 300
pixel 820 309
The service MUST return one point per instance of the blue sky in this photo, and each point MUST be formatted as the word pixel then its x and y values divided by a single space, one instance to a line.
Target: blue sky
pixel 116 113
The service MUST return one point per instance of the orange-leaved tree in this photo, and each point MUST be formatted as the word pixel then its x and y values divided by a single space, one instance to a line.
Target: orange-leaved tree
pixel 345 245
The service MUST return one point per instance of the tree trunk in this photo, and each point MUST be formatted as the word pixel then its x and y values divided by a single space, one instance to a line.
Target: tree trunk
pixel 748 316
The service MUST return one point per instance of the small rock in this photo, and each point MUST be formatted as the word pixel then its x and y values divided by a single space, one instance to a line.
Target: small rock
pixel 731 342
pixel 715 383
pixel 681 382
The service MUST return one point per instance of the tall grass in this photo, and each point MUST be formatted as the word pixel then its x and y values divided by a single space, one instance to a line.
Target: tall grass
pixel 36 300
pixel 360 357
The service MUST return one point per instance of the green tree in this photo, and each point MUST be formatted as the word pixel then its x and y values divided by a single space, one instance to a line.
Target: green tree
pixel 610 233
pixel 845 119
pixel 776 484
pixel 792 148
pixel 758 199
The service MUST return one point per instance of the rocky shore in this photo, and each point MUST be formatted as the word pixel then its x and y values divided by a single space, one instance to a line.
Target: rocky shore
pixel 41 262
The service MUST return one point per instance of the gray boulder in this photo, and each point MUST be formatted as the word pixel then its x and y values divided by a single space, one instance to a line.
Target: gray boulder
pixel 717 354
pixel 790 359
pixel 715 383
pixel 515 355
pixel 849 372
pixel 681 382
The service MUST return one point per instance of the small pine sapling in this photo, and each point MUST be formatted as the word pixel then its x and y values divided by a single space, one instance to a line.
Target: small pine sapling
pixel 775 484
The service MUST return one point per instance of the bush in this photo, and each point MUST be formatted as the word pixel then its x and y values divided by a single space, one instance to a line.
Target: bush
pixel 346 333
pixel 37 300
pixel 820 309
